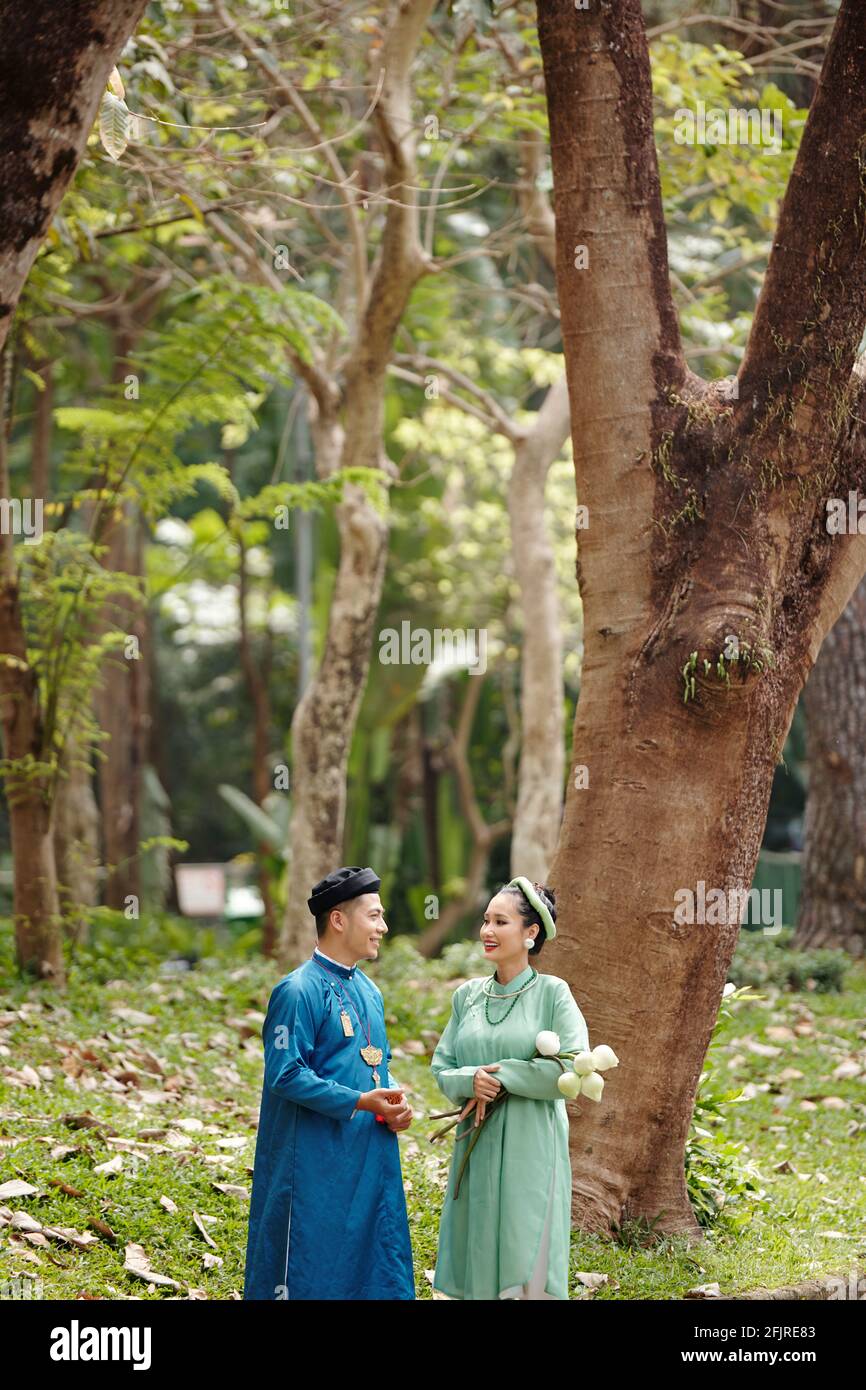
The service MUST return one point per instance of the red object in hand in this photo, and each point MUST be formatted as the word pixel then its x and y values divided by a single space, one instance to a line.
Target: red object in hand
pixel 380 1119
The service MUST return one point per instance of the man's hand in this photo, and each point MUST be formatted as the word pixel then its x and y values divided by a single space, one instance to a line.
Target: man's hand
pixel 383 1102
pixel 401 1120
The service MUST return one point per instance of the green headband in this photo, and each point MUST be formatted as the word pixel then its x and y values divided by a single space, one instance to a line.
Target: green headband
pixel 528 890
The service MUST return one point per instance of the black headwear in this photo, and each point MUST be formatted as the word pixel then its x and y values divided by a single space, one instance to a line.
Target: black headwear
pixel 341 885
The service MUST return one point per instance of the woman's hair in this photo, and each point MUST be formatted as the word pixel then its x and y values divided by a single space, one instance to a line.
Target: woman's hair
pixel 529 915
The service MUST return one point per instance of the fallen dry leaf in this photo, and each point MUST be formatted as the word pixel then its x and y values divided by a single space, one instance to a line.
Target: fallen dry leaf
pixel 69 1236
pixel 231 1189
pixel 199 1223
pixel 136 1262
pixel 87 1121
pixel 103 1228
pixel 113 1165
pixel 65 1187
pixel 132 1016
pixel 17 1188
pixel 23 1221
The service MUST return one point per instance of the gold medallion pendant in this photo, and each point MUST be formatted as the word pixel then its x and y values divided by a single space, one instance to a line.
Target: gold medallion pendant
pixel 371 1055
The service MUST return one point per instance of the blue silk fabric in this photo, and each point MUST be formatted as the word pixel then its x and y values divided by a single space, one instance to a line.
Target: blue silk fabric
pixel 327 1213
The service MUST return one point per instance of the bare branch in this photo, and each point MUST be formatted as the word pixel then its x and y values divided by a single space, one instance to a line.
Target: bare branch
pixel 281 82
pixel 534 203
pixel 401 260
pixel 493 413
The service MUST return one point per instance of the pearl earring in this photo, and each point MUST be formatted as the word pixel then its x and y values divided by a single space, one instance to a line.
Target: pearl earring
pixel 529 942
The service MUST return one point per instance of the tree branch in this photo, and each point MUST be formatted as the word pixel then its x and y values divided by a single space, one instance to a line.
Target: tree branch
pixel 282 84
pixel 811 312
pixel 401 260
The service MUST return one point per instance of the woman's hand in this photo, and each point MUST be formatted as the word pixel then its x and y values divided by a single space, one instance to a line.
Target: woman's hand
pixel 480 1108
pixel 485 1086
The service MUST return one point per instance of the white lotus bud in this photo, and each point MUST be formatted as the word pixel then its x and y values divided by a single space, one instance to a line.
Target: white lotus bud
pixel 593 1085
pixel 547 1044
pixel 569 1084
pixel 584 1063
pixel 604 1057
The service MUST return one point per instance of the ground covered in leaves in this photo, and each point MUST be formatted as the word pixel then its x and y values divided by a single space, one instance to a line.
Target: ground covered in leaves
pixel 128 1109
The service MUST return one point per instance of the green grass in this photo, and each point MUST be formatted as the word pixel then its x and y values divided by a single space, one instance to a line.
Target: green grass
pixel 209 1089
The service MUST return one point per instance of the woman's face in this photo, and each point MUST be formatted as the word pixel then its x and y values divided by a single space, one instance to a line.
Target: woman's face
pixel 503 931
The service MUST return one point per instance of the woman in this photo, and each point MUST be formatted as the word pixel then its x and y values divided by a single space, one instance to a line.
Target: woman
pixel 507 1233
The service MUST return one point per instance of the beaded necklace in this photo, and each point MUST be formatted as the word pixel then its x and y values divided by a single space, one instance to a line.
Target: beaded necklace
pixel 513 996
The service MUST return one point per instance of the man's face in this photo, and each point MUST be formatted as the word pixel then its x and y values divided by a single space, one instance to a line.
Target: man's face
pixel 364 926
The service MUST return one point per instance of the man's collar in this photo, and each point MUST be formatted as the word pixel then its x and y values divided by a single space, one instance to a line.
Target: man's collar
pixel 347 971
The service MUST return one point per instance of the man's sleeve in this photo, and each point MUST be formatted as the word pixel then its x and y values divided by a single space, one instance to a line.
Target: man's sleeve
pixel 289 1034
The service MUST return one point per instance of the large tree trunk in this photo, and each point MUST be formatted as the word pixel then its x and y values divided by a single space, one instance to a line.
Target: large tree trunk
pixel 76 834
pixel 256 674
pixel 55 62
pixel 122 707
pixel 54 66
pixel 38 938
pixel 541 770
pixel 706 522
pixel 122 702
pixel 327 712
pixel 348 431
pixel 36 912
pixel 833 897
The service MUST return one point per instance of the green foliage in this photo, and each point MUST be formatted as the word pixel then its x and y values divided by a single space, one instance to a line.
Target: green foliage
pixel 141 944
pixel 771 960
pixel 724 1188
pixel 64 589
pixel 277 498
pixel 638 1233
pixel 226 339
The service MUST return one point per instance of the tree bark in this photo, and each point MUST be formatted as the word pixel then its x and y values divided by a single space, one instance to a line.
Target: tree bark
pixel 55 64
pixel 76 815
pixel 833 896
pixel 122 700
pixel 122 707
pixel 36 912
pixel 707 522
pixel 256 673
pixel 541 769
pixel 76 835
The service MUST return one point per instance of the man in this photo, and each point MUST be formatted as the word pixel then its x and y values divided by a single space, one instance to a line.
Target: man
pixel 328 1212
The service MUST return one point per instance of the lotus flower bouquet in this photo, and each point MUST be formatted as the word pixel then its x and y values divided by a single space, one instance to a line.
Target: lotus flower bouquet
pixel 583 1077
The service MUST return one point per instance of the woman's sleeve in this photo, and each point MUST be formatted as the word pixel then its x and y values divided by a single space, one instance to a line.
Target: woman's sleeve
pixel 454 1082
pixel 289 1037
pixel 537 1079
